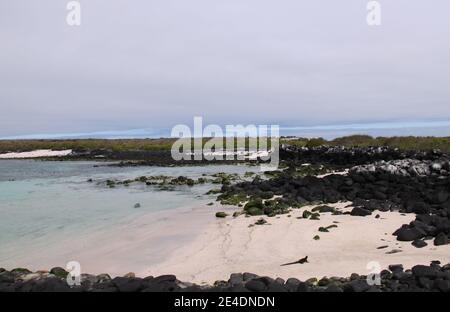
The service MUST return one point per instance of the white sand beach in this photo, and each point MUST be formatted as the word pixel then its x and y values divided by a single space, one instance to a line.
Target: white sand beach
pixel 198 247
pixel 230 245
pixel 36 154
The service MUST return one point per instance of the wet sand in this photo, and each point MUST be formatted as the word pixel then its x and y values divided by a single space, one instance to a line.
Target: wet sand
pixel 130 246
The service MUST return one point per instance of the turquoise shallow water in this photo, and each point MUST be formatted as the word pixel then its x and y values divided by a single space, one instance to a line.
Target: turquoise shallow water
pixel 42 203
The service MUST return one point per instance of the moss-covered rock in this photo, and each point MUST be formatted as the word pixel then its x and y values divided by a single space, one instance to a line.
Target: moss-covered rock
pixel 254 203
pixel 254 211
pixel 59 272
pixel 110 183
pixel 323 209
pixel 315 216
pixel 221 214
pixel 20 271
pixel 182 180
pixel 234 199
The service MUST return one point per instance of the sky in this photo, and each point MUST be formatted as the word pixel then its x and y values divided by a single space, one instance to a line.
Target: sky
pixel 139 67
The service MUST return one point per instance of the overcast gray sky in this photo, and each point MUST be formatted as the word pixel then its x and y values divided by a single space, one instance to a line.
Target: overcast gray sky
pixel 152 64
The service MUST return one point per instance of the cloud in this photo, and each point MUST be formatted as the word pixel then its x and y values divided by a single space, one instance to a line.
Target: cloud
pixel 153 64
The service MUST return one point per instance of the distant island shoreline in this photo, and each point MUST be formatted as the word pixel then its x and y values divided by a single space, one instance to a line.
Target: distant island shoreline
pixel 148 149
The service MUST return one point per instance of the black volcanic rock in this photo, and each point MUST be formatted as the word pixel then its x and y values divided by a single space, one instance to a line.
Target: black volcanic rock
pixel 255 285
pixel 371 187
pixel 357 211
pixel 125 284
pixel 441 239
pixel 425 271
pixel 409 234
pixel 432 277
pixel 394 268
pixel 418 243
pixel 357 286
pixel 418 208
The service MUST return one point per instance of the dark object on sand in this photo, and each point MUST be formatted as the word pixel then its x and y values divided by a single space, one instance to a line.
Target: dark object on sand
pixel 441 239
pixel 419 243
pixel 360 212
pixel 221 214
pixel 301 261
pixel 393 251
pixel 261 222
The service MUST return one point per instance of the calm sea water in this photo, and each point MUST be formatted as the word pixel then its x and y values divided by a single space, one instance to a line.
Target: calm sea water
pixel 42 203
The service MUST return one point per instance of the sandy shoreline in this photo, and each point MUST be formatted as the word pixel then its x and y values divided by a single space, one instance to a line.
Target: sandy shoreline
pixel 230 245
pixel 132 245
pixel 35 154
pixel 197 247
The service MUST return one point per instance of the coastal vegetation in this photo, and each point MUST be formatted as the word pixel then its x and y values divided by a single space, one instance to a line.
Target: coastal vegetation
pixel 86 145
pixel 165 144
pixel 116 145
pixel 406 143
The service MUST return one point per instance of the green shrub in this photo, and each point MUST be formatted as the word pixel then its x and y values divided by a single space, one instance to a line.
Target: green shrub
pixel 316 142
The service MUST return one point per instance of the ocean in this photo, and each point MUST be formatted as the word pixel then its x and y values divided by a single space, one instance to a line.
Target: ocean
pixel 48 204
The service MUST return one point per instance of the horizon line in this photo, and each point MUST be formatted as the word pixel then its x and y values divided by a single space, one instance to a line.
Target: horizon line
pixel 153 133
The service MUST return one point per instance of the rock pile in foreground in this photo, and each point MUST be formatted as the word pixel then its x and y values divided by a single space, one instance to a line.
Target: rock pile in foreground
pixel 420 278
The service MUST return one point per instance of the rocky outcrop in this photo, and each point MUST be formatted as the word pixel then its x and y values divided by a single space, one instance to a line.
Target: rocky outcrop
pixel 426 196
pixel 339 156
pixel 407 167
pixel 421 278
